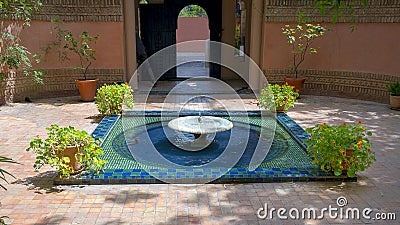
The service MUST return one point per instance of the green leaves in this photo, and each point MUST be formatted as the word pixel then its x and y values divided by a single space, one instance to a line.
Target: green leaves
pixel 340 148
pixel 300 38
pixel 273 96
pixel 110 99
pixel 49 151
pixel 15 56
pixel 338 8
pixel 192 11
pixel 3 173
pixel 394 88
pixel 77 45
pixel 19 9
pixel 66 43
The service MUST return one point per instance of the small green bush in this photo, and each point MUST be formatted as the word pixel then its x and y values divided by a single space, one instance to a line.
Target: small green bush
pixel 48 150
pixel 343 149
pixel 394 88
pixel 111 98
pixel 274 96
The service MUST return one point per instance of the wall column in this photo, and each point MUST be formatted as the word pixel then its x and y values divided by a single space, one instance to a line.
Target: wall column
pixel 256 39
pixel 129 11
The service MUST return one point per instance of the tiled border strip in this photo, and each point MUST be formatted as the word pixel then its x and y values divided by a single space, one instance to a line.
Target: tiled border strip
pixel 358 85
pixel 235 175
pixel 80 11
pixel 376 11
pixel 295 130
pixel 103 129
pixel 58 82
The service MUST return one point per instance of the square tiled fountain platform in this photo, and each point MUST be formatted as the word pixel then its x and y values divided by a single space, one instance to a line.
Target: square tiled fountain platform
pixel 286 160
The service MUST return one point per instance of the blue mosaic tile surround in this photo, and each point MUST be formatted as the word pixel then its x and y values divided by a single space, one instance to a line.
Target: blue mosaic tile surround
pixel 293 128
pixel 235 175
pixel 105 126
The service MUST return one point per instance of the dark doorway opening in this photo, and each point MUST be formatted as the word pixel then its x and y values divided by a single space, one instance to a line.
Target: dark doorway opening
pixel 158 24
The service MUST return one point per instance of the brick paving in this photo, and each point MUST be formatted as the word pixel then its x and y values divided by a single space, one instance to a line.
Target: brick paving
pixel 33 199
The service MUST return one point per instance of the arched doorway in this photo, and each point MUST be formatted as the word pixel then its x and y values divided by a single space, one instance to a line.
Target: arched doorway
pixel 193 25
pixel 158 24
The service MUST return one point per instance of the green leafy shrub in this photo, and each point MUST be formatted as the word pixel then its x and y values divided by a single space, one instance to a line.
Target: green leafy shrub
pixel 300 38
pixel 111 98
pixel 67 43
pixel 277 96
pixel 394 88
pixel 13 54
pixel 340 148
pixel 48 150
pixel 80 46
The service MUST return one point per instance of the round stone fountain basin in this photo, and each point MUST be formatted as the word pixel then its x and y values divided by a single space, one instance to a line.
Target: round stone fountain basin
pixel 200 127
pixel 200 124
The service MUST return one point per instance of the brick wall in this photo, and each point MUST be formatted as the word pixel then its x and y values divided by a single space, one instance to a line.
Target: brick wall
pixel 359 85
pixel 103 17
pixel 376 11
pixel 57 82
pixel 352 64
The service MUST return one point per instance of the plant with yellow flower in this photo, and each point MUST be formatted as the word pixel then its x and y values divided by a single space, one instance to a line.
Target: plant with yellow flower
pixel 110 99
pixel 69 150
pixel 343 149
pixel 277 97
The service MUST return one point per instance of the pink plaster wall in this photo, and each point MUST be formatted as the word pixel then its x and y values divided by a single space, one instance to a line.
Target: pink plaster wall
pixel 372 48
pixel 192 28
pixel 109 46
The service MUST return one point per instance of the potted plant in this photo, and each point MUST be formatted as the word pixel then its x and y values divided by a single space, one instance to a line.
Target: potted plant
pixel 343 149
pixel 81 47
pixel 69 150
pixel 111 98
pixel 394 90
pixel 277 97
pixel 300 38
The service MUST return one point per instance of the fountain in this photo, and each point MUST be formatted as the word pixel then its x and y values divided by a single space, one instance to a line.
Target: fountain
pixel 200 126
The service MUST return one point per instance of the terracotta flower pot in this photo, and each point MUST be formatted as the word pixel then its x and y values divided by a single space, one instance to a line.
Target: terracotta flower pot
pixel 74 163
pixel 87 89
pixel 280 108
pixel 298 83
pixel 349 157
pixel 394 102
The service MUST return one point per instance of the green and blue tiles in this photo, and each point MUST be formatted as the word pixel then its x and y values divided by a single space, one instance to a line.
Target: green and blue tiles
pixel 286 159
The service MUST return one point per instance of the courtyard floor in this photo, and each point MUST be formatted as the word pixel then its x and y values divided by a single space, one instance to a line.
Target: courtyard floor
pixel 33 199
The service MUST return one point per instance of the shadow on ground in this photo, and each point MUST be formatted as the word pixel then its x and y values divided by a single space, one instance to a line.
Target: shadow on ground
pixel 41 183
pixel 58 101
pixel 96 119
pixel 124 197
